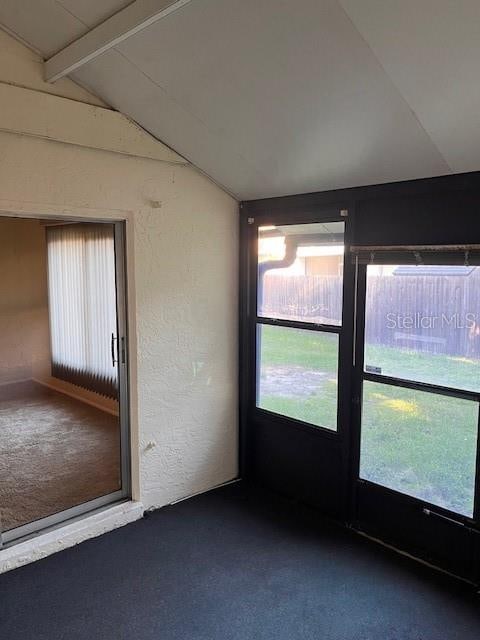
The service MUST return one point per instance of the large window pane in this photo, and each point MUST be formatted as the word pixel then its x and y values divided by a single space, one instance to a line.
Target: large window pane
pixel 298 374
pixel 421 444
pixel 423 324
pixel 300 272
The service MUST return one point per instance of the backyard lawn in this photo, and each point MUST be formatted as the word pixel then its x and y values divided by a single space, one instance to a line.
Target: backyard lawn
pixel 419 443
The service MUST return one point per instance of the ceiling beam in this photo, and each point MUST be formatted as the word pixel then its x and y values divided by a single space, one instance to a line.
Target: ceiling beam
pixel 127 22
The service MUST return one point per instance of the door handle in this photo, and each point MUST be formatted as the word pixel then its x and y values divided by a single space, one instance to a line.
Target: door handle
pixel 434 514
pixel 112 348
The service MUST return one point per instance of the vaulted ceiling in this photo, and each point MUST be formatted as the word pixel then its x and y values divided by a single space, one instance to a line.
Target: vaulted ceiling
pixel 273 97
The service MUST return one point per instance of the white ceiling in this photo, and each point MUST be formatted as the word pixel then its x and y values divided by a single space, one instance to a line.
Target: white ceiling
pixel 273 97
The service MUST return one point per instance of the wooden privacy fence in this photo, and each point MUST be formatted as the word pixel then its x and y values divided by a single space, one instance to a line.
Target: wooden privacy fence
pixel 436 314
pixel 310 298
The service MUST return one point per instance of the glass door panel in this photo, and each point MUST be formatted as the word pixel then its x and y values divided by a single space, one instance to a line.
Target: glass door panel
pixel 423 324
pixel 421 444
pixel 299 374
pixel 299 320
pixel 63 400
pixel 421 383
pixel 300 272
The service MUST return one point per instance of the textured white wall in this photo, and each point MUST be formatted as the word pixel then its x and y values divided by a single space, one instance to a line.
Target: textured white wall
pixel 182 280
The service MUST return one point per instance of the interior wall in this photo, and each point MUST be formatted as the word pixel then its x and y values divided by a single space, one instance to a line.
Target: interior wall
pixel 24 329
pixel 182 244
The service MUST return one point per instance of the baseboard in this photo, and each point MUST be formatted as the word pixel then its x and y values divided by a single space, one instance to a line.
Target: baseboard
pixel 70 534
pixel 76 396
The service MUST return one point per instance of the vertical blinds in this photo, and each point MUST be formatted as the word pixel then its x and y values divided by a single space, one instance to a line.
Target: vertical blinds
pixel 82 305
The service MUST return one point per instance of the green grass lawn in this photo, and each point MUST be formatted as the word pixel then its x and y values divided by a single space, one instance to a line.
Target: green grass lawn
pixel 447 371
pixel 419 443
pixel 293 349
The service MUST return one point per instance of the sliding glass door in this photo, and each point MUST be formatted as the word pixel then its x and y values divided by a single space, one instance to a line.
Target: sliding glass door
pixel 418 397
pixel 64 428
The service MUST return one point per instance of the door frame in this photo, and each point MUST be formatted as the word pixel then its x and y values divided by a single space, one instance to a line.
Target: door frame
pixel 31 529
pixel 294 436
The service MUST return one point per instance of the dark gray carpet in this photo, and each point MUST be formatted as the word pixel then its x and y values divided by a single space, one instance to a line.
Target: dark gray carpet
pixel 234 564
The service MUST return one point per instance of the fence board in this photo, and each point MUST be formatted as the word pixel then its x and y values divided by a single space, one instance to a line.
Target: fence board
pixel 436 314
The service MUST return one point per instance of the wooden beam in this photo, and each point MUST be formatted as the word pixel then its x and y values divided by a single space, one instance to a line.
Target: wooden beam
pixel 127 22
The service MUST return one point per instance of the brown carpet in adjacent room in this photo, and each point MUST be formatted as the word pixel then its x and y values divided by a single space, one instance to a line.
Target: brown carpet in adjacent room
pixel 56 452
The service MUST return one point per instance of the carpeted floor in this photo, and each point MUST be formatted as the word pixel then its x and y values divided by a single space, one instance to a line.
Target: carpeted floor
pixel 55 452
pixel 234 564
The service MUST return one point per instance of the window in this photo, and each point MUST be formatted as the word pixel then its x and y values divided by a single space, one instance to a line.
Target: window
pixel 424 327
pixel 421 381
pixel 299 303
pixel 300 272
pixel 421 444
pixel 299 374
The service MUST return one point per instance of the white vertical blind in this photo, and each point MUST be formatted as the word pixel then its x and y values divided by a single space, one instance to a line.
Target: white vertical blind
pixel 82 305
